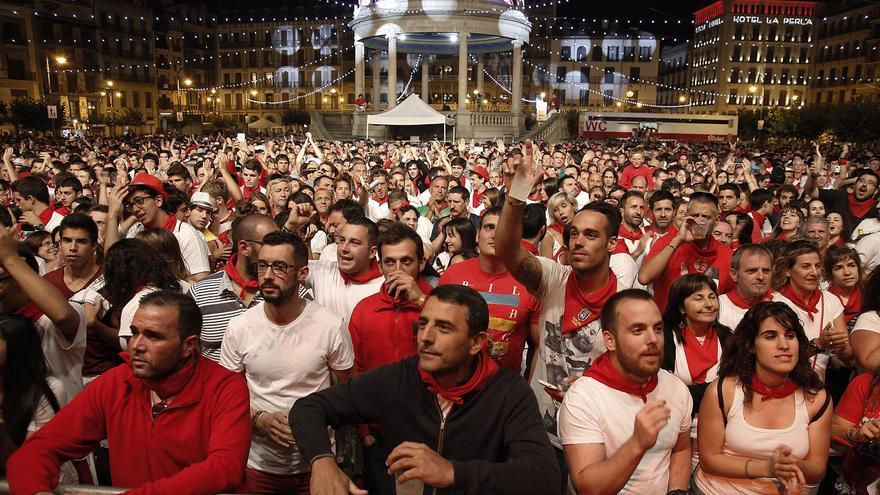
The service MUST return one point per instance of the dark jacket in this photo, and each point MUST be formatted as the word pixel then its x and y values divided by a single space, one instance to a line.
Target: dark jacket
pixel 495 440
pixel 669 339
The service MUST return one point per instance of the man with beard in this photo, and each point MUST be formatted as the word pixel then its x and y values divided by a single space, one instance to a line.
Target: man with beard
pixel 692 250
pixel 145 197
pixel 571 296
pixel 631 233
pixel 513 310
pixel 661 205
pixel 232 290
pixel 751 268
pixel 185 418
pixel 626 424
pixel 287 348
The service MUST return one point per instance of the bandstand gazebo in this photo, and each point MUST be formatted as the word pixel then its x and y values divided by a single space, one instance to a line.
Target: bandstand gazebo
pixel 470 29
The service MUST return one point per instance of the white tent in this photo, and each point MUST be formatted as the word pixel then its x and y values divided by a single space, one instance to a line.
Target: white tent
pixel 411 111
pixel 264 124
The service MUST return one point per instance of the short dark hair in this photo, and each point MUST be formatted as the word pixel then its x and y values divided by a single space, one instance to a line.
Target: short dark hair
pixel 32 186
pixel 661 195
pixel 372 229
pixel 180 171
pixel 81 221
pixel 245 226
pixel 533 220
pixel 478 310
pixel 189 316
pixel 348 208
pixel 280 238
pixel 398 232
pixel 758 197
pixel 730 186
pixel 73 183
pixel 463 192
pixel 629 194
pixel 608 315
pixel 611 213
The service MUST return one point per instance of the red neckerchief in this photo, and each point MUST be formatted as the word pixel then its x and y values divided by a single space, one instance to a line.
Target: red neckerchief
pixel 30 311
pixel 620 248
pixel 859 208
pixel 486 369
pixel 246 191
pixel 362 278
pixel 232 273
pixel 46 215
pixel 172 384
pixel 696 257
pixel 838 242
pixel 853 306
pixel 605 373
pixel 557 227
pixel 63 211
pixel 624 232
pixel 397 303
pixel 170 223
pixel 476 199
pixel 782 236
pixel 582 309
pixel 380 201
pixel 740 301
pixel 700 356
pixel 784 390
pixel 529 247
pixel 809 305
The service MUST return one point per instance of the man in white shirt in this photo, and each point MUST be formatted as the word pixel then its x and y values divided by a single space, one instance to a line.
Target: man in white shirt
pixel 340 213
pixel 751 267
pixel 61 324
pixel 287 347
pixel 625 425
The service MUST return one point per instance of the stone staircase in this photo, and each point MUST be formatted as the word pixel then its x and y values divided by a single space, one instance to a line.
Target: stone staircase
pixel 331 127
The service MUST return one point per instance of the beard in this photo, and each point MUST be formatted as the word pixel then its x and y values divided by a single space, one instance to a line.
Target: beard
pixel 283 295
pixel 632 364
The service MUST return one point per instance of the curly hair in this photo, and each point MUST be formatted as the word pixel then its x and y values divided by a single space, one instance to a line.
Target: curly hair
pixel 738 358
pixel 130 265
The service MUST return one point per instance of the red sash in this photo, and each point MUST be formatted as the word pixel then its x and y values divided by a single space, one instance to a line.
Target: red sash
pixel 232 273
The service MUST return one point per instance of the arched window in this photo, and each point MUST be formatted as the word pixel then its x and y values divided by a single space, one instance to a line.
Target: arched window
pixel 581 53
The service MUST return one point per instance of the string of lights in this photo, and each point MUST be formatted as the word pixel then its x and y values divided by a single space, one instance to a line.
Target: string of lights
pixel 412 73
pixel 304 95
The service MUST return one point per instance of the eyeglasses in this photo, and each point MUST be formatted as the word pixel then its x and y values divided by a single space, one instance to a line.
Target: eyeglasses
pixel 52 246
pixel 278 267
pixel 254 241
pixel 139 202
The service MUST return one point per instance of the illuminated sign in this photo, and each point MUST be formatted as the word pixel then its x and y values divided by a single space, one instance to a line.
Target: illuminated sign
pixel 757 19
pixel 707 25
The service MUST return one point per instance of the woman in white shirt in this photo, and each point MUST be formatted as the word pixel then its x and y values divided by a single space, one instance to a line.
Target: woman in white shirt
pixel 766 421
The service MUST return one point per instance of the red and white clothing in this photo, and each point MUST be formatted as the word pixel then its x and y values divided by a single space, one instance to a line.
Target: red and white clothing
pixel 50 218
pixel 625 268
pixel 283 363
pixel 631 172
pixel 512 309
pixel 561 354
pixel 193 247
pixel 377 210
pixel 732 308
pixel 828 308
pixel 747 441
pixel 332 291
pixel 868 322
pixel 854 406
pixel 65 358
pixel 712 261
pixel 594 413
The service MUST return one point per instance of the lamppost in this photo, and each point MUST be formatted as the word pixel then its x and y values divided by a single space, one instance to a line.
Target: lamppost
pixel 754 90
pixel 60 60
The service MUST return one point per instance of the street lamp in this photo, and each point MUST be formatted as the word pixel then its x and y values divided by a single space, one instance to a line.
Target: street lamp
pixel 60 60
pixel 630 94
pixel 682 99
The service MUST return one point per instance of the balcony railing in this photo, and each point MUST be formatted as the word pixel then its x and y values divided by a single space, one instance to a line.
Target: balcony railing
pixel 17 75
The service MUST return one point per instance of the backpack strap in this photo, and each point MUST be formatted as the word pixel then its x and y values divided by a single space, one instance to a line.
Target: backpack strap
pixel 720 382
pixel 822 409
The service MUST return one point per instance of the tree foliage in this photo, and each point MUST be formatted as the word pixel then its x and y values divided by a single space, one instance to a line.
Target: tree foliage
pixel 851 122
pixel 33 115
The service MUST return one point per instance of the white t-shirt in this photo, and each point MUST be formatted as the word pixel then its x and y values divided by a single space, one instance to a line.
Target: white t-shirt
pixel 283 364
pixel 867 243
pixel 868 322
pixel 377 211
pixel 828 308
pixel 594 413
pixel 329 253
pixel 625 269
pixel 729 314
pixel 42 414
pixel 193 247
pixel 560 356
pixel 54 222
pixel 65 358
pixel 126 316
pixel 424 227
pixel 332 292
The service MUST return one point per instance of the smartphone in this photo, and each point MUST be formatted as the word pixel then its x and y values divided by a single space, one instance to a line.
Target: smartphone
pixel 548 385
pixel 240 137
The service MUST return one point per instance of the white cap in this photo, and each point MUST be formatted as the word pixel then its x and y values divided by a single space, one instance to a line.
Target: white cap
pixel 202 199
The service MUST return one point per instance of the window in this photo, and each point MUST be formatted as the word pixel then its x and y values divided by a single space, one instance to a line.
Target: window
pixel 635 74
pixel 227 100
pixel 583 97
pixel 585 74
pixel 753 54
pixel 225 78
pixel 581 53
pixel 608 97
pixel 148 99
pixel 629 53
pixel 818 97
pixel 284 37
pixel 734 75
pixel 565 53
pixel 135 99
pixel 609 75
pixel 771 54
pixel 597 53
pixel 644 54
pixel 731 98
pixel 613 53
pixel 801 76
pixel 736 56
pixel 783 79
pixel 560 74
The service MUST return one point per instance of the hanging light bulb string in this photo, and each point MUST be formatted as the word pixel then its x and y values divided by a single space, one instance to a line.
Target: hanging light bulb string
pixel 412 73
pixel 305 95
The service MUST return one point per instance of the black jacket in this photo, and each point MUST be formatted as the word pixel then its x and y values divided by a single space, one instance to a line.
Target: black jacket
pixel 495 440
pixel 697 389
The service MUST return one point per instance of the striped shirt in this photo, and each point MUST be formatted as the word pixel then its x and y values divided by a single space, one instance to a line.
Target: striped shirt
pixel 219 302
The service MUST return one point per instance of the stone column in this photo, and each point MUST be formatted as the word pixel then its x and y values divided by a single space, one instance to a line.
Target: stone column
pixel 426 92
pixel 516 84
pixel 481 71
pixel 462 71
pixel 359 71
pixel 377 79
pixel 392 71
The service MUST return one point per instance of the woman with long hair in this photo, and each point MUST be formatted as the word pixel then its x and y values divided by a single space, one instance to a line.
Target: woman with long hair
pixel 461 240
pixel 260 202
pixel 29 394
pixel 820 312
pixel 856 423
pixel 838 229
pixel 39 243
pixel 609 179
pixel 865 336
pixel 766 419
pixel 743 227
pixel 132 269
pixel 791 224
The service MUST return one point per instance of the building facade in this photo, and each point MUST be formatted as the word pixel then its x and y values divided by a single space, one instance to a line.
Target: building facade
pixel 673 75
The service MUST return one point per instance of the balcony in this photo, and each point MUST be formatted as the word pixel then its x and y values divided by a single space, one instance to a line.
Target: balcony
pixel 17 75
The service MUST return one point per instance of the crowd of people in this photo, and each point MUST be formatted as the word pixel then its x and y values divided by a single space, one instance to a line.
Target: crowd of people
pixel 186 314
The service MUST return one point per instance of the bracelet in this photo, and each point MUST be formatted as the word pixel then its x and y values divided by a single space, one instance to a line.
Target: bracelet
pixel 673 247
pixel 321 456
pixel 851 434
pixel 255 418
pixel 747 469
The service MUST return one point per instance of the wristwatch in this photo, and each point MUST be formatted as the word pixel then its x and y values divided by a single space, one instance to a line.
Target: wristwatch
pixel 39 226
pixel 814 347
